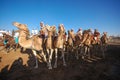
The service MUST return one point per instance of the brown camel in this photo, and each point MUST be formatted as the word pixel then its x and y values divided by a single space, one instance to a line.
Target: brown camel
pixel 73 43
pixel 104 42
pixel 86 41
pixel 34 43
pixel 10 42
pixel 70 39
pixel 91 45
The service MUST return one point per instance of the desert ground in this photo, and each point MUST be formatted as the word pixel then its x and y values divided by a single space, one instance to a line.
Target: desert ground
pixel 17 65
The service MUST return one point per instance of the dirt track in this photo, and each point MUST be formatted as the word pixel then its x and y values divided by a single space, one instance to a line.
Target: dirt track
pixel 20 66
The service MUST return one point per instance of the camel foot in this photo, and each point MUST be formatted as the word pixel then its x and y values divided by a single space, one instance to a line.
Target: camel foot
pixel 93 59
pixel 55 66
pixel 61 57
pixel 50 67
pixel 88 60
pixel 36 67
pixel 77 57
pixel 83 57
pixel 64 64
pixel 98 58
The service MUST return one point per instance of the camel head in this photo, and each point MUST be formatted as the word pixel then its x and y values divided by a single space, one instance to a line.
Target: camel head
pixel 48 28
pixel 53 29
pixel 61 28
pixel 21 26
pixel 71 33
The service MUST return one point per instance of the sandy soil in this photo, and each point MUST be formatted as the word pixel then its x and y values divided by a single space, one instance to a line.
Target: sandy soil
pixel 20 66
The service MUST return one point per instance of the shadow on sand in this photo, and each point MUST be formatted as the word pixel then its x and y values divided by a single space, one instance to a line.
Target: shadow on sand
pixel 107 69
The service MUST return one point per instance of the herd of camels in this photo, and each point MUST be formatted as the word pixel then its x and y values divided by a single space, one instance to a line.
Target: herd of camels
pixel 84 45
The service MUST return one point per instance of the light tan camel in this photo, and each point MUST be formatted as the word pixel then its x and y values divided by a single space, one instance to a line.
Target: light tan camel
pixel 58 43
pixel 34 43
pixel 54 42
pixel 70 39
pixel 49 44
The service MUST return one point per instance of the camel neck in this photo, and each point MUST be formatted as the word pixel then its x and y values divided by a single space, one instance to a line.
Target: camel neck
pixel 23 41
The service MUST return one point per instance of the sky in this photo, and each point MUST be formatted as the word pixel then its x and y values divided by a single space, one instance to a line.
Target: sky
pixel 103 15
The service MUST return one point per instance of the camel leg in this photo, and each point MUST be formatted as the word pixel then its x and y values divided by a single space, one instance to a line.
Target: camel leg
pixel 34 52
pixel 103 52
pixel 64 48
pixel 8 48
pixel 48 53
pixel 56 56
pixel 50 59
pixel 16 46
pixel 77 55
pixel 81 51
pixel 85 52
pixel 89 56
pixel 48 56
pixel 63 56
pixel 44 56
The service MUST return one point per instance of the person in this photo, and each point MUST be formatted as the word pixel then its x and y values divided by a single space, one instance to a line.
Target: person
pixel 61 28
pixel 42 31
pixel 55 30
pixel 5 41
pixel 73 35
pixel 79 33
pixel 66 36
pixel 91 32
pixel 16 37
pixel 104 35
pixel 96 35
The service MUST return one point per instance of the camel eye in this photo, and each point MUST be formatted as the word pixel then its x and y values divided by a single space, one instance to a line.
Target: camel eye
pixel 19 25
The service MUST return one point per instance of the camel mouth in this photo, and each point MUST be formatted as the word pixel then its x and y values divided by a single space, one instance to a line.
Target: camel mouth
pixel 16 24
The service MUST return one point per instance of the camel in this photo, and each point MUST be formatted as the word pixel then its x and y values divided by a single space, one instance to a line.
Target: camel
pixel 98 46
pixel 58 43
pixel 54 42
pixel 49 45
pixel 34 43
pixel 95 47
pixel 73 43
pixel 70 39
pixel 90 44
pixel 104 42
pixel 70 44
pixel 9 42
pixel 86 41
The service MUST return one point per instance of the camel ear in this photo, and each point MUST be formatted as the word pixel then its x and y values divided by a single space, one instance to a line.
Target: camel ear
pixel 25 25
pixel 13 23
pixel 3 33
